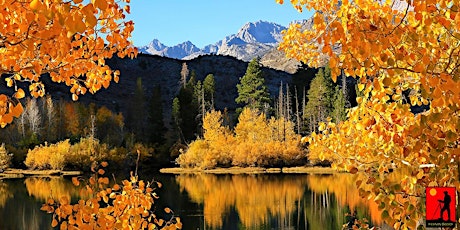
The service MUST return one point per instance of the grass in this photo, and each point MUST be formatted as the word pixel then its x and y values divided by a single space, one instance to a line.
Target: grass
pixel 19 173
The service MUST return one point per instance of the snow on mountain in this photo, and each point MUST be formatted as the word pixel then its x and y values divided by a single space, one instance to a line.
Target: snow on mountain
pixel 178 51
pixel 155 47
pixel 254 39
pixel 260 32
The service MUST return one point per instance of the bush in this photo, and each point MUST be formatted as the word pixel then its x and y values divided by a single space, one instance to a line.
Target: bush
pixel 46 156
pixel 255 141
pixel 5 158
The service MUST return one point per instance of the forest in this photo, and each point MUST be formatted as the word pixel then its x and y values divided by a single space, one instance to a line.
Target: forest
pixel 400 57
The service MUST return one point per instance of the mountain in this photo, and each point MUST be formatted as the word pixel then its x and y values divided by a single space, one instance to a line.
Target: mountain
pixel 178 51
pixel 254 39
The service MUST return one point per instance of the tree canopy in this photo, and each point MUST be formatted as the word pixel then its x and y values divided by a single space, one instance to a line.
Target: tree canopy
pixel 69 40
pixel 404 54
pixel 252 91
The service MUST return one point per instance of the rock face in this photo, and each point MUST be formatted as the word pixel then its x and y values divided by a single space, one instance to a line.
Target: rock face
pixel 254 39
pixel 178 51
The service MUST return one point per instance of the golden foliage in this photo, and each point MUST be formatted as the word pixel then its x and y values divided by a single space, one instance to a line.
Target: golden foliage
pixel 129 205
pixel 48 157
pixel 255 142
pixel 87 34
pixel 44 188
pixel 403 52
pixel 5 157
pixel 5 193
pixel 254 198
pixel 77 156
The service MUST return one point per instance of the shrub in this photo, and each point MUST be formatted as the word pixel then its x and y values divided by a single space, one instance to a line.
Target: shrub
pixel 5 158
pixel 255 141
pixel 46 156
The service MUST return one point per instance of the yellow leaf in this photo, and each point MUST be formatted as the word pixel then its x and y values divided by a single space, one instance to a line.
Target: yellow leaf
pixel 9 82
pixel 36 5
pixel 167 210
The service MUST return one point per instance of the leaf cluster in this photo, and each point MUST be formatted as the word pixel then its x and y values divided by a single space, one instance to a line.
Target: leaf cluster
pixel 128 205
pixel 403 53
pixel 88 32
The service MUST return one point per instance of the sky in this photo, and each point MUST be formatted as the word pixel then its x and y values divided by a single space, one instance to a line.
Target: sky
pixel 202 22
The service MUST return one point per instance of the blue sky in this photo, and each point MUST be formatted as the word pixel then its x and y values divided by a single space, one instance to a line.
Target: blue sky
pixel 202 22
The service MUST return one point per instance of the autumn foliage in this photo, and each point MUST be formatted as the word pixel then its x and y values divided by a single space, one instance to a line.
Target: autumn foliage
pixel 69 40
pixel 255 141
pixel 128 205
pixel 405 55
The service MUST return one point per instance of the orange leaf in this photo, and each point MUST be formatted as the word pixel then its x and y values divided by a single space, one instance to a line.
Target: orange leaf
pixel 19 94
pixel 75 181
pixel 54 223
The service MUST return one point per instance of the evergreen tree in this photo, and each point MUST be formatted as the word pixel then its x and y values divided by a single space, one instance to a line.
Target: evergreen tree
pixel 176 115
pixel 136 114
pixel 338 113
pixel 157 128
pixel 320 97
pixel 252 91
pixel 209 89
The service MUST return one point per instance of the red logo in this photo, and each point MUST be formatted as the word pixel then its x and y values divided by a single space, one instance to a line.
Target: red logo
pixel 441 206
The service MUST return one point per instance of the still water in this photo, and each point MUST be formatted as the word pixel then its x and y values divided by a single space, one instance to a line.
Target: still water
pixel 203 201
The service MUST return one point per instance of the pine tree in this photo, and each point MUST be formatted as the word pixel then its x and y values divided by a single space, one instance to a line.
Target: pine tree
pixel 176 112
pixel 136 114
pixel 252 91
pixel 209 89
pixel 320 95
pixel 339 106
pixel 157 128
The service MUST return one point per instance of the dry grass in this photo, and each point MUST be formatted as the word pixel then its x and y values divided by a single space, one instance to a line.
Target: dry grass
pixel 19 173
pixel 251 170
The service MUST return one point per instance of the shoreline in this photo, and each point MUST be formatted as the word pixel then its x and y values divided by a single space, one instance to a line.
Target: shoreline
pixel 21 173
pixel 252 170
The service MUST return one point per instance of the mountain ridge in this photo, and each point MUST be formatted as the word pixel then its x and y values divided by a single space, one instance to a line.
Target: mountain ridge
pixel 252 40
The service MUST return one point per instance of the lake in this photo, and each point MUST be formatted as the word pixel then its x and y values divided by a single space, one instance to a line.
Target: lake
pixel 207 201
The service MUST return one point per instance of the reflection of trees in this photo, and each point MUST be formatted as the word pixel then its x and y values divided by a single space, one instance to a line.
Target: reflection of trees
pixel 56 187
pixel 5 193
pixel 255 198
pixel 343 187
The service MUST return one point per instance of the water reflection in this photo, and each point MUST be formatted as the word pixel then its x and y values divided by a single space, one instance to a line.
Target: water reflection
pixel 55 187
pixel 5 193
pixel 206 201
pixel 276 201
